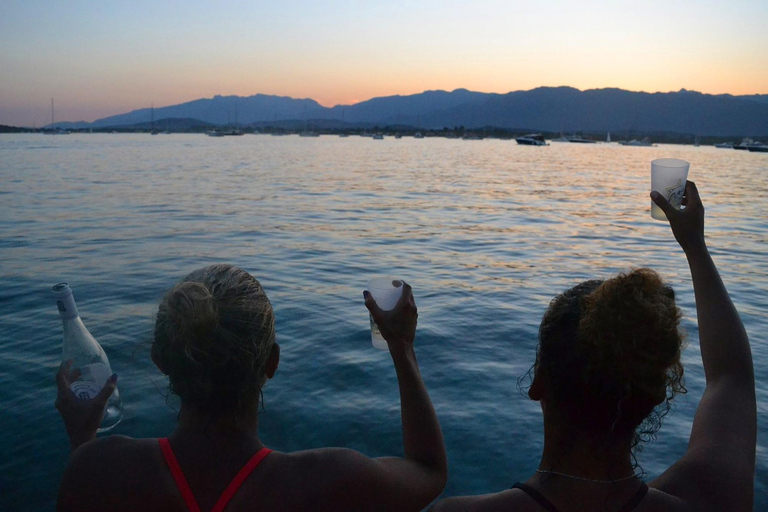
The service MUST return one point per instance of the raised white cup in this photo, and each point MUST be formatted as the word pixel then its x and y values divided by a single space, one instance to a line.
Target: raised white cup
pixel 668 177
pixel 386 291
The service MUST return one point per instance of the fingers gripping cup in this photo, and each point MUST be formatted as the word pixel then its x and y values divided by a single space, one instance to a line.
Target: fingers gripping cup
pixel 386 292
pixel 668 177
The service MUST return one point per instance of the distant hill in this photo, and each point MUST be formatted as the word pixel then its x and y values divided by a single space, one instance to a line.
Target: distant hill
pixel 221 110
pixel 12 129
pixel 760 98
pixel 552 109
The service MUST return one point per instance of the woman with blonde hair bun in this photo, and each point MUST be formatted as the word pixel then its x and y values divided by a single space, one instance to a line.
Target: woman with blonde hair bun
pixel 607 367
pixel 215 340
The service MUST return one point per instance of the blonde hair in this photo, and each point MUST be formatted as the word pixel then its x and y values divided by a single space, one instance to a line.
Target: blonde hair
pixel 213 334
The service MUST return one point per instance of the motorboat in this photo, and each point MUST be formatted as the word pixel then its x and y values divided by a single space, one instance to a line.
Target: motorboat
pixel 645 142
pixel 724 145
pixel 418 135
pixel 758 147
pixel 378 136
pixel 744 144
pixel 581 140
pixel 224 133
pixel 532 139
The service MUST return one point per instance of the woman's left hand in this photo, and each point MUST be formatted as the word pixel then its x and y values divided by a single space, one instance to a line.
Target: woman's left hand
pixel 81 417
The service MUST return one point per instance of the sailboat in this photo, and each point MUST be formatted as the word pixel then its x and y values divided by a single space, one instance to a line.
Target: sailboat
pixel 305 132
pixel 153 131
pixel 227 133
pixel 54 130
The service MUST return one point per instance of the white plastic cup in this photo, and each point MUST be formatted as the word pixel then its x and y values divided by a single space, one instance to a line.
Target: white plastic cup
pixel 386 291
pixel 668 177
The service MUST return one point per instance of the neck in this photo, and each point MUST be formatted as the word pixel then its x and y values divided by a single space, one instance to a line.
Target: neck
pixel 229 426
pixel 594 458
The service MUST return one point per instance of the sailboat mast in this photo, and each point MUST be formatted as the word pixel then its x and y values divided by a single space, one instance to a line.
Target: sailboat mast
pixel 52 121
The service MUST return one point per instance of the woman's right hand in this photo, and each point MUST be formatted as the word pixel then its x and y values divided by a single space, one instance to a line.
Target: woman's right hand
pixel 687 224
pixel 398 325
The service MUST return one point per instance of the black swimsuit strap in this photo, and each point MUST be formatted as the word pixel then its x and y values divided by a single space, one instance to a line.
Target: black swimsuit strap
pixel 544 502
pixel 536 496
pixel 636 499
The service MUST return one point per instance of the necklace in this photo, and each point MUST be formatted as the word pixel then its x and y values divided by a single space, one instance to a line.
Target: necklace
pixel 587 479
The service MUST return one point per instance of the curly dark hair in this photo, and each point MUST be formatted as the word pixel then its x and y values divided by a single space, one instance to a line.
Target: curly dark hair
pixel 609 355
pixel 213 335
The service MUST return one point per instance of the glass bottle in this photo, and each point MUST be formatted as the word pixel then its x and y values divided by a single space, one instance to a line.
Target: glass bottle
pixel 87 355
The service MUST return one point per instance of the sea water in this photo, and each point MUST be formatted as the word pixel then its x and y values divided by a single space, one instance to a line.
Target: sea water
pixel 486 232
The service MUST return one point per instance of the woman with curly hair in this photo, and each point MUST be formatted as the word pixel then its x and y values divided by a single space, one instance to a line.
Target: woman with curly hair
pixel 607 367
pixel 215 340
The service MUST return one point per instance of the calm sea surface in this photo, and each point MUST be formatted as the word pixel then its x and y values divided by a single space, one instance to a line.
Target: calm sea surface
pixel 486 232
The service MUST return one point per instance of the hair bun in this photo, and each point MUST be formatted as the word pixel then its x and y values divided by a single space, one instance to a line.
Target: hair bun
pixel 193 312
pixel 630 326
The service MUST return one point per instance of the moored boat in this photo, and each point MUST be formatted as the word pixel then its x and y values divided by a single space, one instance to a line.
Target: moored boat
pixel 758 147
pixel 532 139
pixel 724 145
pixel 744 144
pixel 645 142
pixel 581 140
pixel 54 130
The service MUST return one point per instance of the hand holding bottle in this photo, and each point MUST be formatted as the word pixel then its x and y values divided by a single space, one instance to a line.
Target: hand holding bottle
pixel 82 417
pixel 91 375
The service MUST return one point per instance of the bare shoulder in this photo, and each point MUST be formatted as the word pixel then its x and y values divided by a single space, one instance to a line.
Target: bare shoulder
pixel 325 463
pixel 324 475
pixel 108 452
pixel 692 484
pixel 113 465
pixel 341 479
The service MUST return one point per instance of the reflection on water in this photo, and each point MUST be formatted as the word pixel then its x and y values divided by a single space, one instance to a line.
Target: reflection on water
pixel 485 231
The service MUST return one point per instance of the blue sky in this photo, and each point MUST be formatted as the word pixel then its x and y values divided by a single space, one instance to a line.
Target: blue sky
pixel 104 58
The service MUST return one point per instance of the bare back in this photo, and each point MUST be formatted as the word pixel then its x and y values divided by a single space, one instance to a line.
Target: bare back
pixel 121 473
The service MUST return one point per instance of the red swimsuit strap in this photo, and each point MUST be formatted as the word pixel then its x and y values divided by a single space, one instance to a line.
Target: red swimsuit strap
pixel 236 482
pixel 186 491
pixel 178 475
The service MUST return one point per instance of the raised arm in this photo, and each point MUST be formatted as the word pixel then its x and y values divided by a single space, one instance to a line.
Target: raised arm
pixel 410 482
pixel 717 470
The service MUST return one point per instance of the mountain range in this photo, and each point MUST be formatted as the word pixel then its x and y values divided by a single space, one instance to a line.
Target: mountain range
pixel 550 109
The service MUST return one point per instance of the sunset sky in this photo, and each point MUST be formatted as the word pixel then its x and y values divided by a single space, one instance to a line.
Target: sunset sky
pixel 109 57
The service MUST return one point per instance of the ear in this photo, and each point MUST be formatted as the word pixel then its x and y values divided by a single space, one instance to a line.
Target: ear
pixel 157 360
pixel 536 391
pixel 272 361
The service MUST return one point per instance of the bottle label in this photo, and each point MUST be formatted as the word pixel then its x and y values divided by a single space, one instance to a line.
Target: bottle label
pixel 92 379
pixel 85 390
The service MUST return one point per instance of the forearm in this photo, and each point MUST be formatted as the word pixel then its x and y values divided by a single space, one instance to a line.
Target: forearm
pixel 422 437
pixel 724 344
